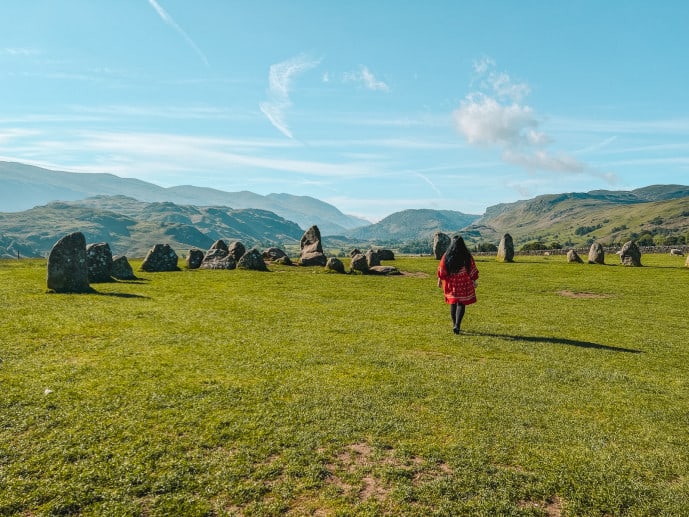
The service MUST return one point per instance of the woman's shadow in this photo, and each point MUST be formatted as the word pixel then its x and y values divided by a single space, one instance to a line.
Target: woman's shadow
pixel 558 341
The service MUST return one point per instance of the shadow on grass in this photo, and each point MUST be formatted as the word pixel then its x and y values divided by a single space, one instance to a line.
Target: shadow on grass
pixel 121 295
pixel 559 341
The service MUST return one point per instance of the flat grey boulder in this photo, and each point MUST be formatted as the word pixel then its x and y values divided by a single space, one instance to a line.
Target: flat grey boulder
pixel 384 270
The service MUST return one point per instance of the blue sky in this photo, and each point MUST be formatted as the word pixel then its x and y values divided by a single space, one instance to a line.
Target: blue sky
pixel 374 107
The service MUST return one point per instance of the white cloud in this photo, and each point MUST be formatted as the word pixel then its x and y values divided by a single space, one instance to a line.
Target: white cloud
pixel 366 77
pixel 482 120
pixel 15 51
pixel 280 78
pixel 498 117
pixel 168 19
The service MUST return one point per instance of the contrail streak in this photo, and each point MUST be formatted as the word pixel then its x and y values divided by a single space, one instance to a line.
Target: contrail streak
pixel 168 19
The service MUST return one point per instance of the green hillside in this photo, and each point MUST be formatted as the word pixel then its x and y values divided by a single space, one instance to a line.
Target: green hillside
pixel 577 219
pixel 413 224
pixel 132 227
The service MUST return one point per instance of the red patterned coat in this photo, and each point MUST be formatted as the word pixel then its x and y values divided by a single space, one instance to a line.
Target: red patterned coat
pixel 459 287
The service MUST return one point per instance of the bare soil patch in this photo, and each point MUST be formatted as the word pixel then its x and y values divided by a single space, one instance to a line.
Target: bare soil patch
pixel 414 274
pixel 572 294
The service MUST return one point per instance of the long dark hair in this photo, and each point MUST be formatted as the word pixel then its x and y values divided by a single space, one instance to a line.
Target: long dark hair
pixel 457 256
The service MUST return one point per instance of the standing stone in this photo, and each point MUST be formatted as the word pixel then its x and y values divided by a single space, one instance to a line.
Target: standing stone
pixel 630 254
pixel 386 254
pixel 441 241
pixel 506 249
pixel 219 245
pixel 573 257
pixel 354 252
pixel 194 258
pixel 596 254
pixel 312 248
pixel 273 254
pixel 372 258
pixel 335 264
pixel 67 265
pixel 99 261
pixel 686 262
pixel 253 260
pixel 236 250
pixel 218 258
pixel 359 263
pixel 159 258
pixel 121 269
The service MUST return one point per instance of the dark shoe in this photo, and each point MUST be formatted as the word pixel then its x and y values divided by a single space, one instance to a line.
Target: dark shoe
pixel 455 330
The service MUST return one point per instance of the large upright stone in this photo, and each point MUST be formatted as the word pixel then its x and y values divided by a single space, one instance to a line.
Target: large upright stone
pixel 99 261
pixel 194 258
pixel 372 258
pixel 252 259
pixel 630 254
pixel 506 249
pixel 236 250
pixel 441 241
pixel 573 257
pixel 596 254
pixel 67 265
pixel 160 258
pixel 686 262
pixel 122 269
pixel 359 263
pixel 312 248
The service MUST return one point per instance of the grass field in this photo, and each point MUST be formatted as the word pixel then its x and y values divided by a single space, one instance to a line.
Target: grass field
pixel 298 392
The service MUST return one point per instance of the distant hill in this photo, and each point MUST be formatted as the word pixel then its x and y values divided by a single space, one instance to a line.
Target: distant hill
pixel 412 225
pixel 132 227
pixel 25 186
pixel 577 219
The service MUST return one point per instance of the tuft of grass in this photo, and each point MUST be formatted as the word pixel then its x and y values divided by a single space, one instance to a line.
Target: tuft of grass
pixel 304 393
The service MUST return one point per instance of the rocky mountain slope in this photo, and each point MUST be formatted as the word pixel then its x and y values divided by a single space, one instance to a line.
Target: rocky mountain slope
pixel 132 227
pixel 25 186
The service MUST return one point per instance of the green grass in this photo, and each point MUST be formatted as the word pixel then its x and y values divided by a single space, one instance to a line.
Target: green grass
pixel 297 392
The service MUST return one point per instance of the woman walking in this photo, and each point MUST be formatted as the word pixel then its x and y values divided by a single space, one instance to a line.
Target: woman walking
pixel 458 276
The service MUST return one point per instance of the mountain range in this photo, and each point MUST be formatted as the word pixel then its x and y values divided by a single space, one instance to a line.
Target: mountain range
pixel 132 215
pixel 25 186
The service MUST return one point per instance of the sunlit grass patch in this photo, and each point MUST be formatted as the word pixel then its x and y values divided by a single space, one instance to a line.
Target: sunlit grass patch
pixel 298 392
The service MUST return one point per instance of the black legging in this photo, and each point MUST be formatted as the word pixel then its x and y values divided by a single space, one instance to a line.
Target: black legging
pixel 457 313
